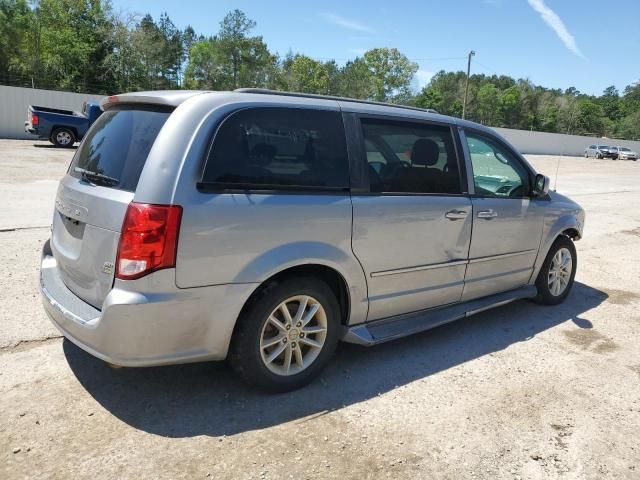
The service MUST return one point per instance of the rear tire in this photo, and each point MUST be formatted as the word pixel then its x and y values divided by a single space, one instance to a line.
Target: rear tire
pixel 63 138
pixel 557 273
pixel 279 344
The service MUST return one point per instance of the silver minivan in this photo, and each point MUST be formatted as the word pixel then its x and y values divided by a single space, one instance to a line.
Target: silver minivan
pixel 263 228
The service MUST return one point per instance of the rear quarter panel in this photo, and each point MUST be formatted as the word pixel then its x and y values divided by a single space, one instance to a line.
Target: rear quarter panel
pixel 241 238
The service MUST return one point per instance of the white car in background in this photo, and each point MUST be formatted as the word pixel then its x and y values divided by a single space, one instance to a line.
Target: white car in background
pixel 625 153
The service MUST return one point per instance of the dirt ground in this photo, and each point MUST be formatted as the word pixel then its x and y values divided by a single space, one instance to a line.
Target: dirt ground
pixel 519 392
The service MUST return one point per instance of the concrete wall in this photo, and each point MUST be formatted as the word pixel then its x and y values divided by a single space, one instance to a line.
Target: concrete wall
pixel 15 100
pixel 556 143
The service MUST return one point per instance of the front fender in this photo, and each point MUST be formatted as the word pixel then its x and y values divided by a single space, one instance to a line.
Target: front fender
pixel 297 254
pixel 555 225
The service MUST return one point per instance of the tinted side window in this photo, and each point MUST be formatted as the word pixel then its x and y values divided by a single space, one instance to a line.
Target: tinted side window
pixel 408 157
pixel 273 148
pixel 496 171
pixel 117 146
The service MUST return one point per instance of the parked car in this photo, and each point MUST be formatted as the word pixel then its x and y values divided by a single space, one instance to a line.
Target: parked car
pixel 254 226
pixel 625 153
pixel 61 127
pixel 600 151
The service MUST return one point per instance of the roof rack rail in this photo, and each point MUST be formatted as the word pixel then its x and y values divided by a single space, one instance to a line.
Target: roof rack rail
pixel 266 91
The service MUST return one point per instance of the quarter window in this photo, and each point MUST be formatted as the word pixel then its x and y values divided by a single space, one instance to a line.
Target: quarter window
pixel 496 171
pixel 407 157
pixel 279 148
pixel 116 148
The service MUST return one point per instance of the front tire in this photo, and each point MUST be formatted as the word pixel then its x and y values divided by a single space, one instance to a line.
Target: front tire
pixel 63 138
pixel 557 273
pixel 286 334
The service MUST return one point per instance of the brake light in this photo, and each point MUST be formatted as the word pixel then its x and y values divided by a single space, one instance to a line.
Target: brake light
pixel 149 239
pixel 34 119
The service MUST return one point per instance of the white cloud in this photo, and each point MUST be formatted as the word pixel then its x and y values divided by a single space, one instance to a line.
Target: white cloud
pixel 423 77
pixel 346 23
pixel 357 51
pixel 552 19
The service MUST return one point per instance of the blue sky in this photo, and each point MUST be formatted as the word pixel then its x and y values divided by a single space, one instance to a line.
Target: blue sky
pixel 554 43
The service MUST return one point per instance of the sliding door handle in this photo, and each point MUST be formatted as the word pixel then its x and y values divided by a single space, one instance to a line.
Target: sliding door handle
pixel 456 214
pixel 487 214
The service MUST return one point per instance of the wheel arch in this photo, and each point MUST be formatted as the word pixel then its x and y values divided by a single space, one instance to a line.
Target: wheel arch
pixel 315 257
pixel 73 130
pixel 566 225
pixel 331 276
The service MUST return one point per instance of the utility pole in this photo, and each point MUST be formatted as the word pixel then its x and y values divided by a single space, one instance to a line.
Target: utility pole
pixel 466 87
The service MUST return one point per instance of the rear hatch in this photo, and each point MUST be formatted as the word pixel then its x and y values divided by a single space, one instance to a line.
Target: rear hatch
pixel 93 197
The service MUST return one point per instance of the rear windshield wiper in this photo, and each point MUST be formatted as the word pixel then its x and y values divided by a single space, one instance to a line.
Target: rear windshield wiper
pixel 95 177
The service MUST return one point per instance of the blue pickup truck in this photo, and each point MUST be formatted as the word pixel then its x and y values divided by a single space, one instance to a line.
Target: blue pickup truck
pixel 61 127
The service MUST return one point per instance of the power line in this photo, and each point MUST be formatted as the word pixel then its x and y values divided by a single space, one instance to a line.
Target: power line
pixel 425 59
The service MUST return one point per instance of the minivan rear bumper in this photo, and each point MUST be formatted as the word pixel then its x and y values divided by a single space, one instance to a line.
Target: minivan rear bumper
pixel 136 329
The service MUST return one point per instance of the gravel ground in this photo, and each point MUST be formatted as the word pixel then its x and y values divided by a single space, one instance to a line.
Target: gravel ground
pixel 519 392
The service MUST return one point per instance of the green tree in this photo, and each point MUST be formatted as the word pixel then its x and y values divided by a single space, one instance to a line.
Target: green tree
pixel 204 70
pixel 238 59
pixel 429 97
pixel 391 73
pixel 123 61
pixel 354 80
pixel 629 127
pixel 510 106
pixel 70 42
pixel 304 74
pixel 589 119
pixel 15 17
pixel 487 104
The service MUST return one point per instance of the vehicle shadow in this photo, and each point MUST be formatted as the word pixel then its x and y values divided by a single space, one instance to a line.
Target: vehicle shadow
pixel 207 398
pixel 50 145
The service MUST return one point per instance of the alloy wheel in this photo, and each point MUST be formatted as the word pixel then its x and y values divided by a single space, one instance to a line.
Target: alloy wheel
pixel 560 272
pixel 63 138
pixel 293 335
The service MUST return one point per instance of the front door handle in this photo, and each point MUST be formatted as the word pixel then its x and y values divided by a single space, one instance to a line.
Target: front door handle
pixel 487 214
pixel 456 214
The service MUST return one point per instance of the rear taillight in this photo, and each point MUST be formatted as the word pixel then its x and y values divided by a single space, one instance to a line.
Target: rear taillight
pixel 34 119
pixel 149 239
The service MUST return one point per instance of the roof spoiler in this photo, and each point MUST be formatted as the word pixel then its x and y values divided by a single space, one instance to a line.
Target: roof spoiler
pixel 166 98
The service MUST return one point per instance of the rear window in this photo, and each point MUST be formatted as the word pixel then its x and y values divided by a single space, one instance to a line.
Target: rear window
pixel 115 149
pixel 279 148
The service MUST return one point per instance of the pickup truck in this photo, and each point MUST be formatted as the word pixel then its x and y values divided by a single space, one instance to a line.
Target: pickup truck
pixel 61 127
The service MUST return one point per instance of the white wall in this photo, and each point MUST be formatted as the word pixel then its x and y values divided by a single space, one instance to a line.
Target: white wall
pixel 543 143
pixel 15 100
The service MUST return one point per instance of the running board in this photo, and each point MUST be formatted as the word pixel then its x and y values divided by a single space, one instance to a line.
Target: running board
pixel 379 331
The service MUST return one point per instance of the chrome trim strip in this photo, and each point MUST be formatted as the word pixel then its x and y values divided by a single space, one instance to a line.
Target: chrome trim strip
pixel 504 255
pixel 419 268
pixel 449 264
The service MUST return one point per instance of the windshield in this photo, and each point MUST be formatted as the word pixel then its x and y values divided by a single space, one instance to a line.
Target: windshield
pixel 603 146
pixel 115 149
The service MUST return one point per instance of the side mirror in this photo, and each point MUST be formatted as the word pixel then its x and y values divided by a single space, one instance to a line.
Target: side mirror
pixel 541 185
